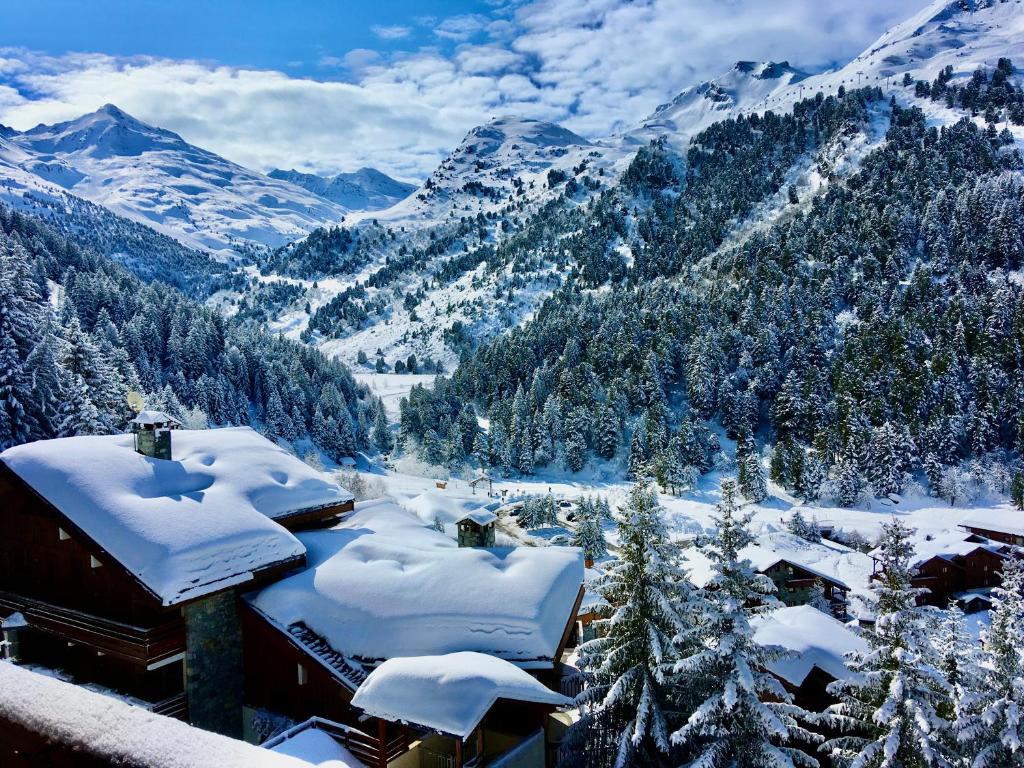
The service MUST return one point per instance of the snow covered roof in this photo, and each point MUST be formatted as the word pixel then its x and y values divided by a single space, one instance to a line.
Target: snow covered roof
pixel 996 520
pixel 382 584
pixel 762 558
pixel 947 544
pixel 446 506
pixel 449 693
pixel 479 516
pixel 118 733
pixel 816 639
pixel 316 747
pixel 154 417
pixel 184 527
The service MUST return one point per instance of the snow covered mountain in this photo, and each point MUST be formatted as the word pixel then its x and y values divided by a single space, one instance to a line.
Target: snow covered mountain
pixel 365 190
pixel 699 106
pixel 497 164
pixel 154 176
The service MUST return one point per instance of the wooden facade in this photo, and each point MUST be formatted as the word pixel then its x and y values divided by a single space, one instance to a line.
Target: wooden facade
pixel 947 576
pixel 794 585
pixel 89 616
pixel 1004 536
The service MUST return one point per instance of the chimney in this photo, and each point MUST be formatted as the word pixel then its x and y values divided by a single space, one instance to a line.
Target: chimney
pixel 152 431
pixel 476 528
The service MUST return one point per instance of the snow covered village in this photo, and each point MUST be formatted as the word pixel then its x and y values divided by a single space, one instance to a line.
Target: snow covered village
pixel 513 383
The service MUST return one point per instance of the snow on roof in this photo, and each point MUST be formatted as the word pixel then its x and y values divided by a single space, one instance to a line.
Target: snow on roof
pixel 188 526
pixel 382 584
pixel 316 747
pixel 443 505
pixel 479 516
pixel 699 567
pixel 108 729
pixel 154 417
pixel 947 544
pixel 449 693
pixel 816 639
pixel 996 520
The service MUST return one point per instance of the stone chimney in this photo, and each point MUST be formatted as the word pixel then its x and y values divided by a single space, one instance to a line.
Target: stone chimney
pixel 152 431
pixel 476 528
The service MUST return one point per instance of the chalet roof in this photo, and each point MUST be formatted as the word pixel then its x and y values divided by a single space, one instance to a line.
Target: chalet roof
pixel 762 558
pixel 450 693
pixel 117 733
pixel 186 527
pixel 480 516
pixel 383 584
pixel 996 520
pixel 814 638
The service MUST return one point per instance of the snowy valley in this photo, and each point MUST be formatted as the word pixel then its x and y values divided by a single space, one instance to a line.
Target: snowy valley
pixel 699 443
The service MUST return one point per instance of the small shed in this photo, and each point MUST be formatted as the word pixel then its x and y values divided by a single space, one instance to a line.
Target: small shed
pixel 476 528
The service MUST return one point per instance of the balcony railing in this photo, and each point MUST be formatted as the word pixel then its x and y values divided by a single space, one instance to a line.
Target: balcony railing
pixel 143 645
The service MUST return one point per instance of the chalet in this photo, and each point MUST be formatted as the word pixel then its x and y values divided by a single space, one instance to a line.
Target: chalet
pixel 818 644
pixel 796 583
pixel 467 707
pixel 382 585
pixel 124 555
pixel 956 567
pixel 996 529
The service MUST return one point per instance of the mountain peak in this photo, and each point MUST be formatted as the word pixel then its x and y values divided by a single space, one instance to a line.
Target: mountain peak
pixel 364 190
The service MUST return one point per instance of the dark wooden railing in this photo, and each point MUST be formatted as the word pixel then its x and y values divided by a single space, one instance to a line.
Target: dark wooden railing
pixel 175 706
pixel 368 749
pixel 143 645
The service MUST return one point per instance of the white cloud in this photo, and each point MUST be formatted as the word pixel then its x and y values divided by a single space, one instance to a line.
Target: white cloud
pixel 594 65
pixel 391 32
pixel 461 27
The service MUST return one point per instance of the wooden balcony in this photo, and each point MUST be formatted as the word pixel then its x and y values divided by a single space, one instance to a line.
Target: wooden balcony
pixel 148 646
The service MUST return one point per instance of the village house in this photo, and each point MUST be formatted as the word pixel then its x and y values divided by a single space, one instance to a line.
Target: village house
pixel 956 567
pixel 818 646
pixel 383 585
pixel 123 555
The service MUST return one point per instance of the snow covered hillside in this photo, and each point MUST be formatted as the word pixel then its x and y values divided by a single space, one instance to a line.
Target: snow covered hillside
pixel 497 166
pixel 462 264
pixel 364 190
pixel 154 176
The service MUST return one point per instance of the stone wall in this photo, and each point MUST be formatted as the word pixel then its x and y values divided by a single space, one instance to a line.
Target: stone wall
pixel 213 664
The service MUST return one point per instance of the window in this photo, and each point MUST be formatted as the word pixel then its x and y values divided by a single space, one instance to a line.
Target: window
pixel 300 674
pixel 63 535
pixel 94 563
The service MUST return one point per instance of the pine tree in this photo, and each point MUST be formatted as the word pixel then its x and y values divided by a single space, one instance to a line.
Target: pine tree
pixel 889 709
pixel 381 431
pixel 751 476
pixel 989 724
pixel 633 696
pixel 608 433
pixel 1017 490
pixel 747 717
pixel 589 536
pixel 77 414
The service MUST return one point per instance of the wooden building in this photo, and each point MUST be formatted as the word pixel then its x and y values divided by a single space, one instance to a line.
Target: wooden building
pixel 125 566
pixel 796 584
pixel 969 566
pixel 996 530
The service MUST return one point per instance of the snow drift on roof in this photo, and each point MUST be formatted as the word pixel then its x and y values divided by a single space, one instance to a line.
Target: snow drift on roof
pixel 449 693
pixel 479 516
pixel 699 567
pixel 314 746
pixel 446 506
pixel 119 733
pixel 996 520
pixel 817 640
pixel 184 527
pixel 381 584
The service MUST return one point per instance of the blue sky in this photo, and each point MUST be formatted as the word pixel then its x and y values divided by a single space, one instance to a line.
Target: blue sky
pixel 329 86
pixel 291 36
